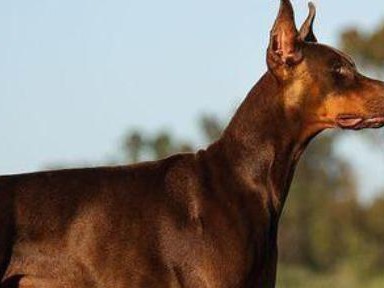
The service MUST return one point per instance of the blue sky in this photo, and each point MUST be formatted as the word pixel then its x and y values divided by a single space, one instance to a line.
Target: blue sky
pixel 75 75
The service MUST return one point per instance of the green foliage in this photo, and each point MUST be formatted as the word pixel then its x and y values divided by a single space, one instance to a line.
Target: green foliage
pixel 345 276
pixel 320 211
pixel 211 128
pixel 138 146
pixel 366 47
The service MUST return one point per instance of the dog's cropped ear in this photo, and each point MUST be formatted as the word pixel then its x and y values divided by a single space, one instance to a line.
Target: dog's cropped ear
pixel 284 47
pixel 306 31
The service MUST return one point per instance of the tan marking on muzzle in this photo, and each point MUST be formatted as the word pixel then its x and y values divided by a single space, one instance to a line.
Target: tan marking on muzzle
pixel 336 105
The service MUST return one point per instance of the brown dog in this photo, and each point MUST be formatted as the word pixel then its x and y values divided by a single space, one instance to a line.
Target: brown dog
pixel 193 220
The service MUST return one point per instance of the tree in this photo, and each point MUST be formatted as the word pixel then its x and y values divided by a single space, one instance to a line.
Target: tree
pixel 138 146
pixel 322 195
pixel 366 47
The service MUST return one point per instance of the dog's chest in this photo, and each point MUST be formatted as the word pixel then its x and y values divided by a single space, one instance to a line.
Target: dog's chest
pixel 214 252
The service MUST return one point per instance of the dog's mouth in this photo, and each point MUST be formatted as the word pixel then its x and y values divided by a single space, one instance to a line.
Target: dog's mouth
pixel 355 122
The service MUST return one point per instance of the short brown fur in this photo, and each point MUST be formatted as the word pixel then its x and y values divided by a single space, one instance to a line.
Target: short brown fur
pixel 208 219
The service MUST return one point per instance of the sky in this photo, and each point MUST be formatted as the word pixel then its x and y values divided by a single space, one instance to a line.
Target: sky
pixel 76 75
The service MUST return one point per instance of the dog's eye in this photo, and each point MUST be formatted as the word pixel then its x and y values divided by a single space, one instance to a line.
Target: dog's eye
pixel 341 70
pixel 343 74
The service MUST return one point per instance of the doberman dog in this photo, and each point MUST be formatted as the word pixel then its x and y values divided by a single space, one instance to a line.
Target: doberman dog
pixel 208 219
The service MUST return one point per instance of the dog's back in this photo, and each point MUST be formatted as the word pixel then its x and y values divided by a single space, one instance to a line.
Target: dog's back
pixel 87 223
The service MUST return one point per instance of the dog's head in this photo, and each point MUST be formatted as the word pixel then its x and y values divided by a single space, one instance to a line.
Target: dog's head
pixel 321 84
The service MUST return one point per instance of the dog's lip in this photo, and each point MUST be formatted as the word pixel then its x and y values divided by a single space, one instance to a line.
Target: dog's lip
pixel 350 121
pixel 375 122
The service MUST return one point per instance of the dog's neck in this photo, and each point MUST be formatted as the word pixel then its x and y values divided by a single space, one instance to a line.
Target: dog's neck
pixel 262 144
